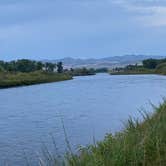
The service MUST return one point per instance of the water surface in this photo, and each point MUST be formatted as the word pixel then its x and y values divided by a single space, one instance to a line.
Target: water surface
pixel 90 106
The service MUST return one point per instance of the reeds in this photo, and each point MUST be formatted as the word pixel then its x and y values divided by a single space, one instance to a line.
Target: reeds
pixel 139 144
pixel 22 79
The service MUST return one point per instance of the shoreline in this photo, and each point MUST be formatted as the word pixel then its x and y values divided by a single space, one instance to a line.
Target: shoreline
pixel 28 79
pixel 19 86
pixel 139 143
pixel 65 77
pixel 132 72
pixel 59 78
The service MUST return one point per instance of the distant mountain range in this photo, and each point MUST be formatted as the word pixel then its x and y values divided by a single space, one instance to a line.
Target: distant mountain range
pixel 109 62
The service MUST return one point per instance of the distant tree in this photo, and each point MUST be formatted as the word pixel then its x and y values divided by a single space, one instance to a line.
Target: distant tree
pixel 91 71
pixel 84 70
pixel 101 70
pixel 131 67
pixel 39 65
pixel 71 69
pixel 2 63
pixel 25 65
pixel 150 63
pixel 66 70
pixel 46 66
pixel 1 69
pixel 59 67
pixel 52 67
pixel 11 66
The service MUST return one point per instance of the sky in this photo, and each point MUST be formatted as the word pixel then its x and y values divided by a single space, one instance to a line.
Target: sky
pixel 54 29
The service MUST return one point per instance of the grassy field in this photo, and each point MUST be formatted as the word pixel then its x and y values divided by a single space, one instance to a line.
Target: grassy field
pixel 21 79
pixel 139 144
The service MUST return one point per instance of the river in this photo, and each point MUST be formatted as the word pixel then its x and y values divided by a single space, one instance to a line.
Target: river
pixel 89 107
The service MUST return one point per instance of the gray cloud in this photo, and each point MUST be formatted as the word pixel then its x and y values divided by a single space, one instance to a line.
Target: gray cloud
pixel 56 28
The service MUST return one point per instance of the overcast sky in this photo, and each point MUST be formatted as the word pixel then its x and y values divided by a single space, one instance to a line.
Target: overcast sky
pixel 51 29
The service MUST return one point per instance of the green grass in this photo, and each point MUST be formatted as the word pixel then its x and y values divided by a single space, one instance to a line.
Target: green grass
pixel 133 72
pixel 21 79
pixel 139 144
pixel 161 69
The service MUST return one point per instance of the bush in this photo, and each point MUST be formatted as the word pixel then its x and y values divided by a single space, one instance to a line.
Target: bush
pixel 161 68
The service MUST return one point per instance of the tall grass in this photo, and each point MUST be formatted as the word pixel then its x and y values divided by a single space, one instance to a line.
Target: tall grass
pixel 21 79
pixel 139 144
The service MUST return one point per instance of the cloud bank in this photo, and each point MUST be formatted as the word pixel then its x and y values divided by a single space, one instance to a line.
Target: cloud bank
pixel 90 28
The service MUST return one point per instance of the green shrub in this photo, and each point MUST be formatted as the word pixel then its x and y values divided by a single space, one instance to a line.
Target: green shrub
pixel 161 68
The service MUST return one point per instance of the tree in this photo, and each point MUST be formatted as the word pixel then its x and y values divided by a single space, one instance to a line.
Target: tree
pixel 50 67
pixel 11 66
pixel 1 69
pixel 39 65
pixel 150 63
pixel 2 65
pixel 60 67
pixel 25 65
pixel 71 69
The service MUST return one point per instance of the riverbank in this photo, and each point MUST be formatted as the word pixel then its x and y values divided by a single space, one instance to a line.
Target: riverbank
pixel 137 72
pixel 8 80
pixel 133 72
pixel 25 72
pixel 138 144
pixel 149 66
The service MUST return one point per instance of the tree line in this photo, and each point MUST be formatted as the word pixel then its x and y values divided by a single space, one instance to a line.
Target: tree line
pixel 148 66
pixel 152 63
pixel 25 66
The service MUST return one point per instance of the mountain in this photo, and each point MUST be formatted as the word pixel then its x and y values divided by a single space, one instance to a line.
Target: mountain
pixel 108 62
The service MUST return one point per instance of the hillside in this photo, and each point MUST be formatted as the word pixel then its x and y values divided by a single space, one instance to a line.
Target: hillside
pixel 108 62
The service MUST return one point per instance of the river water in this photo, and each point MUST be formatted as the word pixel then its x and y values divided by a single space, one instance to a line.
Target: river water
pixel 89 107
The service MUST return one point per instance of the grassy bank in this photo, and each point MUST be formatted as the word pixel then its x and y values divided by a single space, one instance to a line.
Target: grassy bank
pixel 21 79
pixel 139 144
pixel 136 72
pixel 125 71
pixel 149 66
